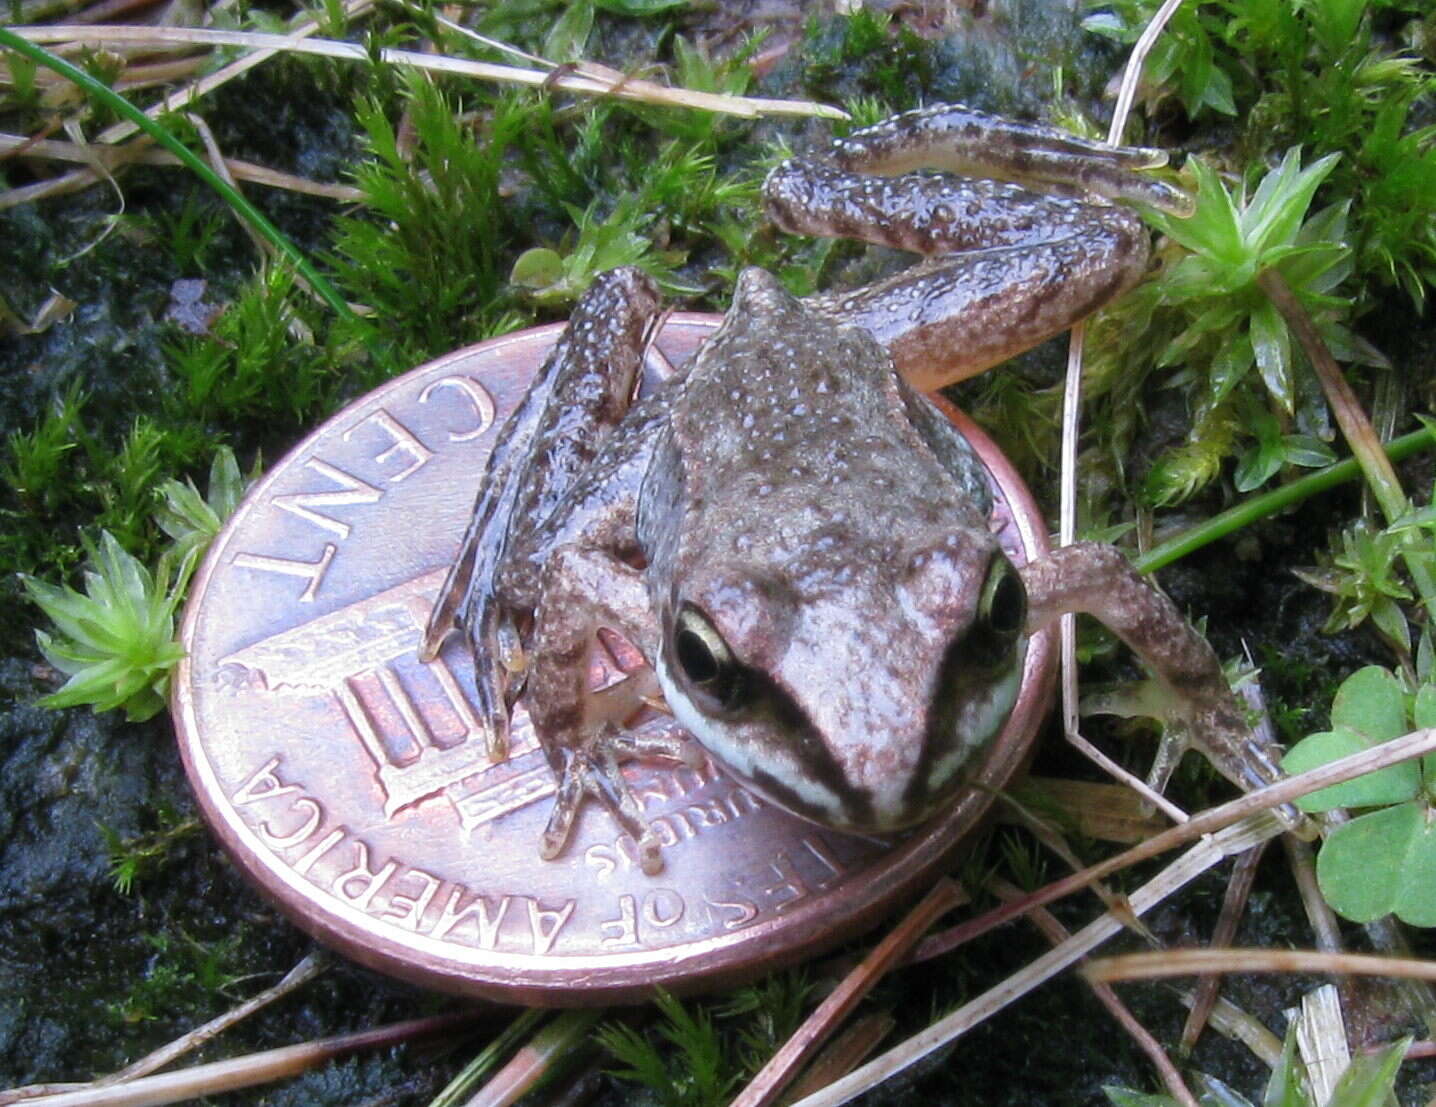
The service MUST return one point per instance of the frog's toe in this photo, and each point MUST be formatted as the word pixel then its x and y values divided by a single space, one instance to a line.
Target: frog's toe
pixel 595 772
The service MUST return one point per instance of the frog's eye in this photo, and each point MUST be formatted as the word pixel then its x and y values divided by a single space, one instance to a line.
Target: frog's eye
pixel 999 619
pixel 713 675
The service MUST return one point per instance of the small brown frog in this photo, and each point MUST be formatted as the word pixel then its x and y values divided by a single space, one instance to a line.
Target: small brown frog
pixel 792 536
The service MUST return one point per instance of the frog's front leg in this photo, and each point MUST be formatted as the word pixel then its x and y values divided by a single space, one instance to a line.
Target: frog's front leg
pixel 1007 266
pixel 1098 580
pixel 582 732
pixel 578 396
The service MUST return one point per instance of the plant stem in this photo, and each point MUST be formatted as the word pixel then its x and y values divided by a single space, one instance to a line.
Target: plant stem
pixel 1269 503
pixel 458 1088
pixel 1356 426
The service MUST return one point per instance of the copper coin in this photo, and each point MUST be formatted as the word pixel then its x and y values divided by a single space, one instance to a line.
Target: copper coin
pixel 351 781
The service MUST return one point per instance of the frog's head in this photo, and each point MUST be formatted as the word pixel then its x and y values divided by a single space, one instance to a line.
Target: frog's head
pixel 850 695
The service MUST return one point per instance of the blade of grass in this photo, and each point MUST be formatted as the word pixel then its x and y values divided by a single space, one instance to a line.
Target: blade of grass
pixel 235 199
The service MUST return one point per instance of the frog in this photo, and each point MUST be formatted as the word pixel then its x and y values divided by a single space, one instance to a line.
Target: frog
pixel 791 535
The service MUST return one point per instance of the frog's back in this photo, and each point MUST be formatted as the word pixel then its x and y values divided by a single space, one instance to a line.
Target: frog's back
pixel 793 427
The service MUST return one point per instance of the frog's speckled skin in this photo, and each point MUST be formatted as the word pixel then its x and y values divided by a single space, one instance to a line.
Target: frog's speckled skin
pixel 786 530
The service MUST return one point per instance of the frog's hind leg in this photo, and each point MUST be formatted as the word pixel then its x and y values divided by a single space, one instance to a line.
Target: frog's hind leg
pixel 1006 266
pixel 577 397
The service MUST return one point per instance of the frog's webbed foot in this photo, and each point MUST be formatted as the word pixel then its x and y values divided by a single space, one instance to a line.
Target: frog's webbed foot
pixel 1191 693
pixel 581 730
pixel 1008 265
pixel 594 770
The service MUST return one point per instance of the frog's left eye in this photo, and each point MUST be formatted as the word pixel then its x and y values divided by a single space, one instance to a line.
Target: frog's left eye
pixel 712 674
pixel 1000 617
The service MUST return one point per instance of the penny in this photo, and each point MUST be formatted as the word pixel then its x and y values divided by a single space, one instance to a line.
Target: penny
pixel 351 781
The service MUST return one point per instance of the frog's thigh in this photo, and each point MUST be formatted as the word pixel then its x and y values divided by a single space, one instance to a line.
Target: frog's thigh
pixel 950 318
pixel 933 215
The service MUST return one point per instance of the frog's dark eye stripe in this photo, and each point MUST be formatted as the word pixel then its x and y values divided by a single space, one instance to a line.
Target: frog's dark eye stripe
pixel 707 664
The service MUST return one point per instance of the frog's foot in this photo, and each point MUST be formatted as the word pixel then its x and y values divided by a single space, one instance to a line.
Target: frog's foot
pixel 1193 696
pixel 957 139
pixel 595 770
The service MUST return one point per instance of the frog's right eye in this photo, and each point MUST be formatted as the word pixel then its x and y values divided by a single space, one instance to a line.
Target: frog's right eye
pixel 711 674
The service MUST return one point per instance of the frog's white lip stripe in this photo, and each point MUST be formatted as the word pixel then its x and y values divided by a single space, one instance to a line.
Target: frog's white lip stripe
pixel 713 738
pixel 977 724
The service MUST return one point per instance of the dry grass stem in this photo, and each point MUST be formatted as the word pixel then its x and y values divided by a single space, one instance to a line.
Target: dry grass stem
pixel 1355 425
pixel 114 157
pixel 178 100
pixel 606 85
pixel 845 1053
pixel 1234 901
pixel 1053 840
pixel 258 1068
pixel 1056 933
pixel 1232 1022
pixel 1197 860
pixel 1102 812
pixel 1318 912
pixel 1132 74
pixel 303 972
pixel 1067 462
pixel 1321 1041
pixel 1194 962
pixel 1264 799
pixel 783 1066
pixel 551 1045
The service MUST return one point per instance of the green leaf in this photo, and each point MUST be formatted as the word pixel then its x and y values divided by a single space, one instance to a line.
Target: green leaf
pixel 538 267
pixel 1382 863
pixel 567 38
pixel 1370 1078
pixel 1372 702
pixel 1271 344
pixel 1423 712
pixel 1285 1088
pixel 1392 784
pixel 116 642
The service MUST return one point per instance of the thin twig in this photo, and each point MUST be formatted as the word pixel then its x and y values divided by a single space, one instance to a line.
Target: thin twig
pixel 1234 901
pixel 1283 791
pixel 1056 933
pixel 554 1042
pixel 624 89
pixel 1194 962
pixel 845 1053
pixel 457 1090
pixel 257 1068
pixel 783 1066
pixel 114 157
pixel 1356 428
pixel 1197 860
pixel 306 970
pixel 1132 75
